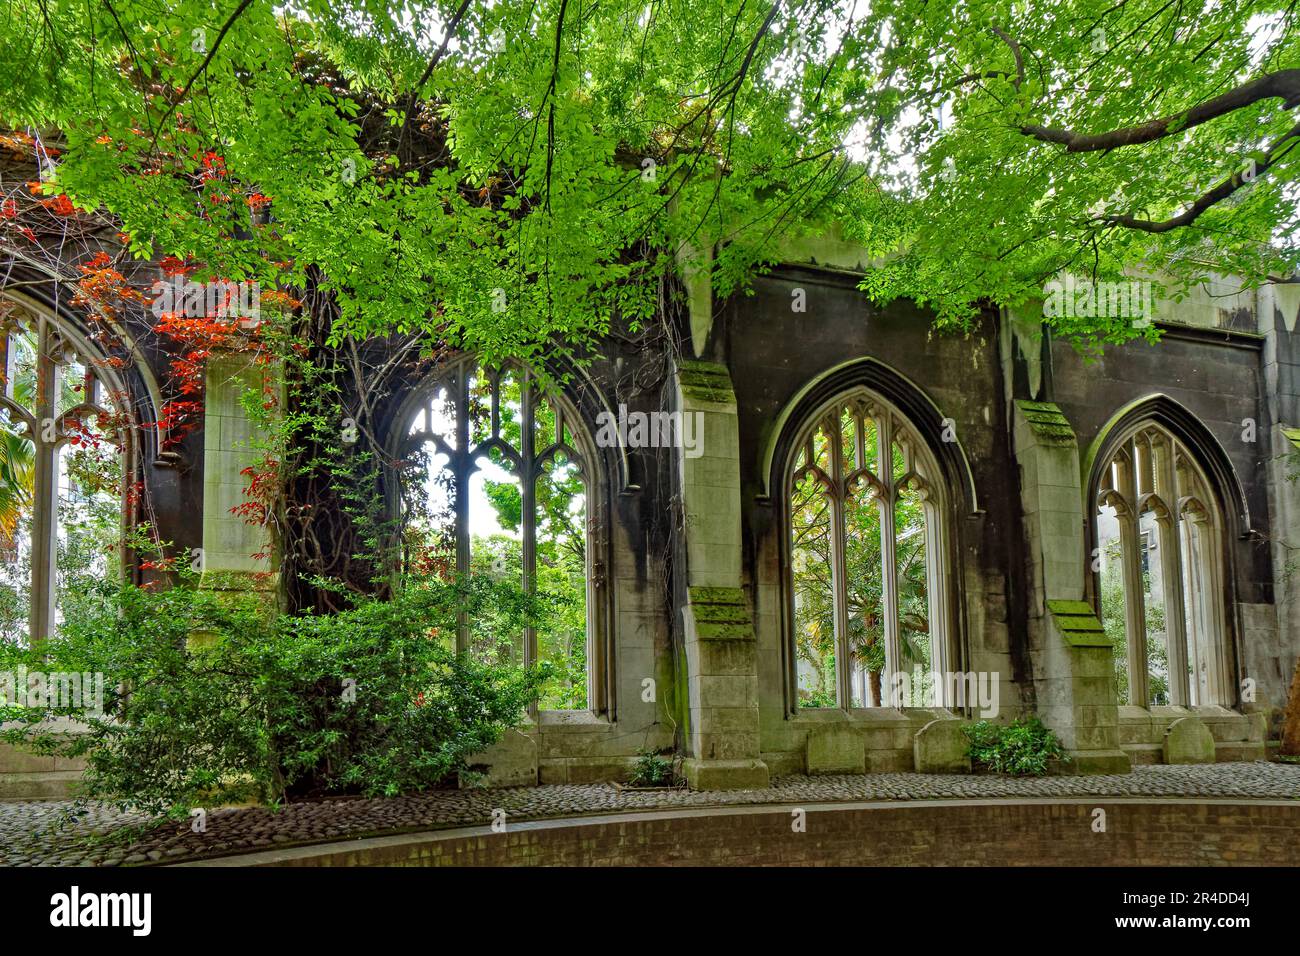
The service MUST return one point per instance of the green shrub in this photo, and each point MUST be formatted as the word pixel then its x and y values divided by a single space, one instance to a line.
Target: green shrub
pixel 1023 747
pixel 211 700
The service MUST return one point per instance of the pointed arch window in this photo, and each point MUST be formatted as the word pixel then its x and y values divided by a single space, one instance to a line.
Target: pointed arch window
pixel 501 482
pixel 1160 573
pixel 867 564
pixel 62 456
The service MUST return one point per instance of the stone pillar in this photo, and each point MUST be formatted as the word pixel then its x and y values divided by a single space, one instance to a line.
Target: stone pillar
pixel 1271 648
pixel 45 480
pixel 229 542
pixel 722 738
pixel 1073 664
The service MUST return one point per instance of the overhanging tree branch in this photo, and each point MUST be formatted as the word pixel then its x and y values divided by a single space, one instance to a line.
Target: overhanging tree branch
pixel 1284 85
pixel 185 91
pixel 452 26
pixel 1281 147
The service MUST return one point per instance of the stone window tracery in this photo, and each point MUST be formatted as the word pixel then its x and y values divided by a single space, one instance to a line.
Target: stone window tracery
pixel 1159 534
pixel 501 482
pixel 62 448
pixel 867 560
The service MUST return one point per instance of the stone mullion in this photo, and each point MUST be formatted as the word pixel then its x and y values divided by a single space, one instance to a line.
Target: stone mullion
pixel 1191 538
pixel 45 488
pixel 1171 564
pixel 1134 612
pixel 528 475
pixel 1175 617
pixel 937 601
pixel 888 558
pixel 1135 618
pixel 860 464
pixel 1218 690
pixel 461 465
pixel 1221 683
pixel 839 566
pixel 889 593
pixel 597 625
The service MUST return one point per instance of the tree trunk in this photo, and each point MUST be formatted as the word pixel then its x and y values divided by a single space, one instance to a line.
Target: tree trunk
pixel 874 677
pixel 1291 723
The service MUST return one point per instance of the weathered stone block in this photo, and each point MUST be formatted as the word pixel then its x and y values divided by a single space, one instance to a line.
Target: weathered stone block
pixel 598 769
pixel 1140 730
pixel 784 762
pixel 1091 736
pixel 510 762
pixel 878 738
pixel 722 658
pixel 836 750
pixel 941 747
pixel 1097 761
pixel 728 746
pixel 1094 662
pixel 728 719
pixel 1094 691
pixel 725 774
pixel 552 745
pixel 726 691
pixel 1188 740
pixel 553 772
pixel 889 761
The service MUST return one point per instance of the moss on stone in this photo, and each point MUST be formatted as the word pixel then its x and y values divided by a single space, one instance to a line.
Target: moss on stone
pixel 1047 422
pixel 1078 624
pixel 706 382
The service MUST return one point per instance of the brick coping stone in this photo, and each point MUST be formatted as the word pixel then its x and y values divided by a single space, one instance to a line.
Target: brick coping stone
pixel 47 833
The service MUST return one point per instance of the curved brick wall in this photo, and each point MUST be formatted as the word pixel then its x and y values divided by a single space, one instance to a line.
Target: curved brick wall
pixel 940 833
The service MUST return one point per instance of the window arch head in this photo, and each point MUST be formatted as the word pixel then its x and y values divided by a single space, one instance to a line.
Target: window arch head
pixel 63 439
pixel 499 481
pixel 1159 531
pixel 868 582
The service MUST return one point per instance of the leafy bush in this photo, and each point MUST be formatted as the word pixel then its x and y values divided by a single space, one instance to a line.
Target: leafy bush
pixel 211 700
pixel 1024 747
pixel 651 770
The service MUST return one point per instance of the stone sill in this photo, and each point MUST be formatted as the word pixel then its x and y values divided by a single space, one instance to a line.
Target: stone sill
pixel 902 716
pixel 567 721
pixel 1142 726
pixel 1132 714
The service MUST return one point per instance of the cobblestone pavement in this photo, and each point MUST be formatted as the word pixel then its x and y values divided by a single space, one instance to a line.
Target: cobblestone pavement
pixel 40 834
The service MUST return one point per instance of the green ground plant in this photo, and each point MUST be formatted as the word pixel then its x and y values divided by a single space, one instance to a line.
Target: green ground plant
pixel 651 770
pixel 1025 747
pixel 209 699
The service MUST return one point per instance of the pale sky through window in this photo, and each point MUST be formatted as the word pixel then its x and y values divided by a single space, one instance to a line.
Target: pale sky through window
pixel 482 516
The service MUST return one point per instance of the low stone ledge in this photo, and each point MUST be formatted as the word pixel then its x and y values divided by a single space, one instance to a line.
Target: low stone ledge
pixel 1025 832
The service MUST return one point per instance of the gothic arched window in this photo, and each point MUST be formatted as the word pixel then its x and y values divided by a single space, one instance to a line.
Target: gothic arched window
pixel 61 471
pixel 1159 536
pixel 500 482
pixel 868 560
